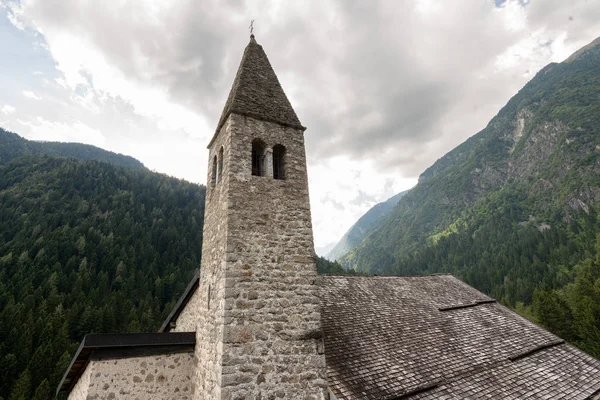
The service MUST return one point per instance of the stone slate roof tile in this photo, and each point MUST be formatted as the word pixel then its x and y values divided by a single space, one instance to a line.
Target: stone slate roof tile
pixel 437 338
pixel 256 91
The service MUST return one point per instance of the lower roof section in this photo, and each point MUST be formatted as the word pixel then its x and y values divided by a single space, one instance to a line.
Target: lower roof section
pixel 434 337
pixel 556 372
pixel 115 345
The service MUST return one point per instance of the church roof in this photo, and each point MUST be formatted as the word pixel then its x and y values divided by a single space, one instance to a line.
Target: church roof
pixel 435 337
pixel 257 93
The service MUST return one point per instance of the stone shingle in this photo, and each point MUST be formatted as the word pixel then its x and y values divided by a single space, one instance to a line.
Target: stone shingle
pixel 256 91
pixel 404 337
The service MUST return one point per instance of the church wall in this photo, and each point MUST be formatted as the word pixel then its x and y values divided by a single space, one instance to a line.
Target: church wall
pixel 187 320
pixel 80 390
pixel 166 376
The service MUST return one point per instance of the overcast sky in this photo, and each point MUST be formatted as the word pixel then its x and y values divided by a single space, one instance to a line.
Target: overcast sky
pixel 384 87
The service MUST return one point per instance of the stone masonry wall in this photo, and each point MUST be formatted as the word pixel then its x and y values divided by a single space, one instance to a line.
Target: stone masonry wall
pixel 207 305
pixel 187 320
pixel 159 377
pixel 262 274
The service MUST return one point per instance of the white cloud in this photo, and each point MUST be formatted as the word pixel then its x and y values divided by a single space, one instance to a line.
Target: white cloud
pixel 7 109
pixel 14 19
pixel 342 190
pixel 50 131
pixel 29 94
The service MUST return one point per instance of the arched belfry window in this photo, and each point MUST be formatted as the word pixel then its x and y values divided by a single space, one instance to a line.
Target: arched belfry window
pixel 279 162
pixel 213 176
pixel 220 165
pixel 258 157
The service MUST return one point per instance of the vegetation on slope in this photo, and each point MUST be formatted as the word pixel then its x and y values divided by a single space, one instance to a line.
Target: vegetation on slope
pixel 324 266
pixel 13 146
pixel 86 247
pixel 364 226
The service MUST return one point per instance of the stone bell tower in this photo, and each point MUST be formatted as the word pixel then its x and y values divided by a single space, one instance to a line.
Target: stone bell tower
pixel 259 334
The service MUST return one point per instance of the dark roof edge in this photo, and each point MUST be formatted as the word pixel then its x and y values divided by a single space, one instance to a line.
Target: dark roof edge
pixel 536 349
pixel 469 305
pixel 251 115
pixel 415 391
pixel 593 395
pixel 62 387
pixel 181 303
pixel 96 341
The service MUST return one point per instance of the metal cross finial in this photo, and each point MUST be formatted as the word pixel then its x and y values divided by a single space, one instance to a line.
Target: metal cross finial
pixel 252 28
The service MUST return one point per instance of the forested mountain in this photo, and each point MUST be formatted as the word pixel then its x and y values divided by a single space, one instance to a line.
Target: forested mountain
pixel 514 210
pixel 365 225
pixel 85 246
pixel 14 146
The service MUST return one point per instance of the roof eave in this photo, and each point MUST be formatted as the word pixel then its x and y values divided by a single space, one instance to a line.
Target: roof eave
pixel 254 116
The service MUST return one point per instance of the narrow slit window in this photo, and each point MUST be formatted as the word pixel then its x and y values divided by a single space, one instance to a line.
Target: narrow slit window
pixel 220 165
pixel 208 299
pixel 279 162
pixel 258 158
pixel 213 178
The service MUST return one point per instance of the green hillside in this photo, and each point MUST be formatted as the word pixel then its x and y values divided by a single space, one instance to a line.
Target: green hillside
pixel 86 246
pixel 513 210
pixel 14 146
pixel 363 227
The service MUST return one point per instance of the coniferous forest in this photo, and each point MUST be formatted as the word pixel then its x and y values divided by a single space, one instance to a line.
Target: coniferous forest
pixel 86 246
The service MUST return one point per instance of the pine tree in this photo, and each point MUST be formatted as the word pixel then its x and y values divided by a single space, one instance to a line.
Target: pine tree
pixel 43 391
pixel 22 387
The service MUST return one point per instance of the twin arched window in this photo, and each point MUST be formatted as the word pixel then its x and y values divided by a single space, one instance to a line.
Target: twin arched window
pixel 260 161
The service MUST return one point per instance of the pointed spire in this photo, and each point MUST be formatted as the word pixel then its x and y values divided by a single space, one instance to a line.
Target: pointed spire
pixel 256 91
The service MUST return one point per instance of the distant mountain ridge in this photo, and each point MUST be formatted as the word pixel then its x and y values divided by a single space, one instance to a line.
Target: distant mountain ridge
pixel 14 146
pixel 364 226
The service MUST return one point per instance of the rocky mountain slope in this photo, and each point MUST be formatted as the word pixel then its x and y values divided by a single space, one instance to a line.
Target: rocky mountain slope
pixel 513 210
pixel 545 143
pixel 364 226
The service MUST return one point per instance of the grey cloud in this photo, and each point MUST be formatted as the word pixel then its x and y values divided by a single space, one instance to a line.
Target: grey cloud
pixel 366 77
pixel 363 198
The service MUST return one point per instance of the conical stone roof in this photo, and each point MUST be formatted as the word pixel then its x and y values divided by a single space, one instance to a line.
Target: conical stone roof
pixel 257 93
